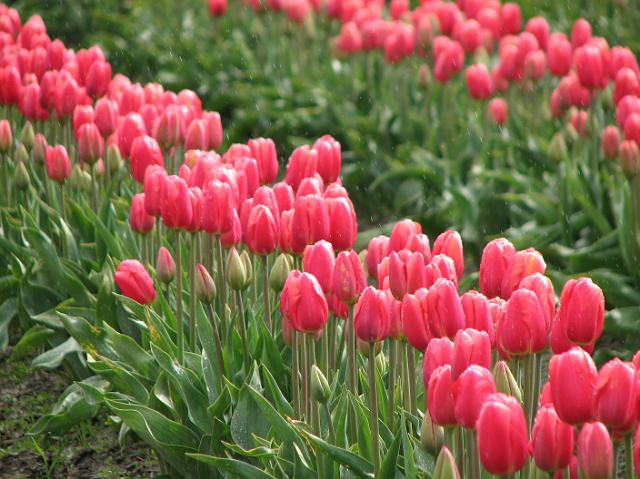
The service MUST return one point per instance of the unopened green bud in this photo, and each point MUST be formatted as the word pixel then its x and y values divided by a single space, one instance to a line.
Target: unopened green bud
pixel 22 177
pixel 431 435
pixel 86 181
pixel 27 135
pixel 505 381
pixel 39 149
pixel 320 390
pixel 22 155
pixel 248 268
pixel 205 287
pixel 382 364
pixel 165 266
pixel 75 180
pixel 236 274
pixel 114 160
pixel 446 467
pixel 557 150
pixel 425 78
pixel 279 272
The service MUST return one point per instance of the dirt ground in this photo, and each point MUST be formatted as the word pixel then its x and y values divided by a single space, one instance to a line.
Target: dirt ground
pixel 89 450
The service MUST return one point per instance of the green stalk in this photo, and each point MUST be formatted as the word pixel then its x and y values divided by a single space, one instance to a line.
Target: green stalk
pixel 305 378
pixel 5 179
pixel 243 332
pixel 391 393
pixel 411 366
pixel 222 281
pixel 351 354
pixel 628 457
pixel 472 451
pixel 373 400
pixel 265 294
pixel 460 452
pixel 315 418
pixel 325 347
pixel 216 338
pixel 295 374
pixel 179 323
pixel 192 292
pixel 635 198
pixel 404 373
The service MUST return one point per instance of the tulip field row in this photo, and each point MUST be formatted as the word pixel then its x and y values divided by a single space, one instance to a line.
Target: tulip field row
pixel 246 301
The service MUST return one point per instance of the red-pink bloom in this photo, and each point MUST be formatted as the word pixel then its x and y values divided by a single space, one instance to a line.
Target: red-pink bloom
pixel 450 244
pixel 134 281
pixel 551 443
pixel 573 376
pixel 470 346
pixel 479 82
pixel 415 322
pixel 474 385
pixel 348 279
pixel 371 315
pixel 140 221
pixel 262 232
pixel 58 163
pixel 303 303
pixel 444 309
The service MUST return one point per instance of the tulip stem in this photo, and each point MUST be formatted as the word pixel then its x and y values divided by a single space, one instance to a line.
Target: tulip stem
pixel 315 418
pixel 305 377
pixel 373 399
pixel 391 394
pixel 5 178
pixel 295 373
pixel 265 294
pixel 192 291
pixel 628 456
pixel 411 365
pixel 216 338
pixel 325 349
pixel 404 372
pixel 222 281
pixel 460 453
pixel 472 451
pixel 351 354
pixel 243 332
pixel 179 324
pixel 634 187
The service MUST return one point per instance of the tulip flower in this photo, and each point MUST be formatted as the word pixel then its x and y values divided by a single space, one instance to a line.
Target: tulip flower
pixel 6 136
pixel 498 111
pixel 176 209
pixel 343 226
pixel 106 116
pixel 440 266
pixel 58 163
pixel 141 222
pixel 470 346
pixel 581 33
pixel 329 160
pixel 610 140
pixel 371 316
pixel 303 163
pixel 264 151
pixel 441 404
pixel 445 467
pixel 406 273
pixel 521 264
pixel 378 248
pixel 573 376
pixel 82 114
pixel 614 399
pixel 217 206
pixel 134 281
pixel 401 234
pixel 415 323
pixel 626 83
pixel 205 286
pixel 310 222
pixel 543 289
pixel 479 82
pixel 524 328
pixel 581 311
pixel 319 259
pixel 595 451
pixel 470 391
pixel 551 440
pixel 304 303
pixel 262 232
pixel 450 244
pixel 130 127
pixel 167 128
pixel 444 309
pixel 348 279
pixel 39 150
pixel 502 435
pixel 439 352
pixel 477 314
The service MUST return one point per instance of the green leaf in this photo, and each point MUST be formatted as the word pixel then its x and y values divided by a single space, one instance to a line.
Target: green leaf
pixel 357 464
pixel 233 466
pixel 390 460
pixel 407 450
pixel 33 338
pixel 8 311
pixel 248 420
pixel 53 358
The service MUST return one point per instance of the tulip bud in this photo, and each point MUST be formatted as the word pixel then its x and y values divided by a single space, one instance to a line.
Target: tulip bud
pixel 502 435
pixel 431 435
pixel 378 249
pixel 248 268
pixel 22 155
pixel 414 319
pixel 573 376
pixel 439 352
pixel 348 279
pixel 320 390
pixel 114 160
pixel 522 264
pixel 401 234
pixel 165 266
pixel 629 158
pixel 319 259
pixel 581 311
pixel 22 179
pixel 279 272
pixel 479 82
pixel 134 281
pixel 524 329
pixel 450 244
pixel 470 346
pixel 425 78
pixel 27 135
pixel 236 273
pixel 595 452
pixel 557 150
pixel 406 273
pixel 444 309
pixel 551 440
pixel 261 235
pixel 205 287
pixel 477 314
pixel 505 381
pixel 6 136
pixel 445 467
pixel 141 222
pixel 58 163
pixel 499 111
pixel 470 391
pixel 39 149
pixel 610 141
